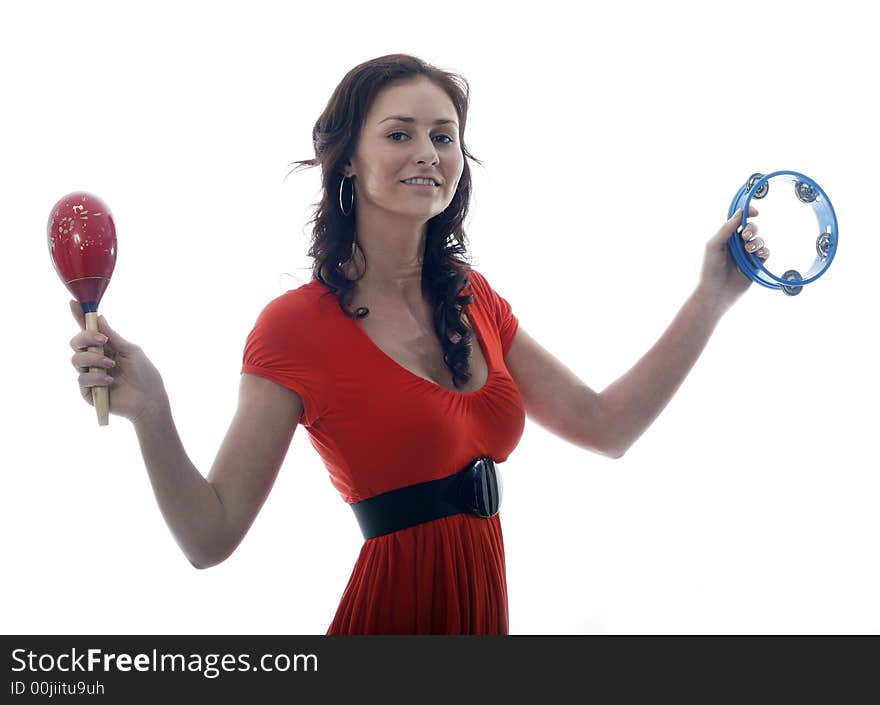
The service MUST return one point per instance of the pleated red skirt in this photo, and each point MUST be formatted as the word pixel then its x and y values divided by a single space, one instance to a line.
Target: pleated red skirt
pixel 446 576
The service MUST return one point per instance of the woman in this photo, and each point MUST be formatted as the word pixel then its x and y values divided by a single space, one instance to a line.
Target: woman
pixel 407 369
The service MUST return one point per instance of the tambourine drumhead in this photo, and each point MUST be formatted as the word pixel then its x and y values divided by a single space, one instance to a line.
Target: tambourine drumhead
pixel 797 224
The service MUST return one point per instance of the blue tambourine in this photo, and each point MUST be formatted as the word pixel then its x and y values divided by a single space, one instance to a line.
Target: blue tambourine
pixel 807 191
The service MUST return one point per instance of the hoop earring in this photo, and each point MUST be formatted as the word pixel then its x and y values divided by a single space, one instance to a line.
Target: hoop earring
pixel 350 205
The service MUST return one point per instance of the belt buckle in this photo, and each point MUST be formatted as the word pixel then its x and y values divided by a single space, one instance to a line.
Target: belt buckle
pixel 480 488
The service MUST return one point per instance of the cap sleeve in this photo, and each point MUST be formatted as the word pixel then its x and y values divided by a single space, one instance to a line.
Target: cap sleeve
pixel 499 309
pixel 281 348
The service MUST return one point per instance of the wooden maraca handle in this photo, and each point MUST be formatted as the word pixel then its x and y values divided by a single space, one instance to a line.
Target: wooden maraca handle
pixel 100 395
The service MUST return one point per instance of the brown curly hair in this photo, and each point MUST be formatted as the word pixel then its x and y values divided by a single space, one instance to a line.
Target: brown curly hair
pixel 444 269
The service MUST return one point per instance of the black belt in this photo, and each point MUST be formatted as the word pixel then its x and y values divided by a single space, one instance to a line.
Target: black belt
pixel 475 489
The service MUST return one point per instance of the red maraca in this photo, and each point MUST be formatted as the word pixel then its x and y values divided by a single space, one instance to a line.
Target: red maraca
pixel 82 244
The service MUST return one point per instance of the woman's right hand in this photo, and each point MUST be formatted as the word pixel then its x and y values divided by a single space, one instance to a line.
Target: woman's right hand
pixel 137 386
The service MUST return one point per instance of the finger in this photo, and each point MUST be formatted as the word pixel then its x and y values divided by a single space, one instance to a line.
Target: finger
pixel 86 339
pixel 115 341
pixel 737 217
pixel 95 379
pixel 76 310
pixel 754 245
pixel 749 232
pixel 733 224
pixel 719 240
pixel 83 361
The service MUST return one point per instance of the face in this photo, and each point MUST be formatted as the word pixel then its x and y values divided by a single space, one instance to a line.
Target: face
pixel 389 150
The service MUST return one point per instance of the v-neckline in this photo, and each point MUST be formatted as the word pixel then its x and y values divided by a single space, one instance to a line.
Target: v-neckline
pixel 478 337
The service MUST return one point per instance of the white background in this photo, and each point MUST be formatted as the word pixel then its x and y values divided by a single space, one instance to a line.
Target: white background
pixel 614 140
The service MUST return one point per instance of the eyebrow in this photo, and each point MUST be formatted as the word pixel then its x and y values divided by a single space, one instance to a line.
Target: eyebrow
pixel 403 118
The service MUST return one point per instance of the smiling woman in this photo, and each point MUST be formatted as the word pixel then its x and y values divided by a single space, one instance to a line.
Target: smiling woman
pixel 371 239
pixel 423 362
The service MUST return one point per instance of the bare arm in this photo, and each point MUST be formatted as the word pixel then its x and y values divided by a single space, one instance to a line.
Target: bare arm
pixel 555 398
pixel 633 402
pixel 210 517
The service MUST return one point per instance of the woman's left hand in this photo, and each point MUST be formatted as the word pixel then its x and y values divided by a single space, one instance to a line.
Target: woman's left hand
pixel 721 279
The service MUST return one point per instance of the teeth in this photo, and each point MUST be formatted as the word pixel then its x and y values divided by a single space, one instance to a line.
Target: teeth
pixel 424 182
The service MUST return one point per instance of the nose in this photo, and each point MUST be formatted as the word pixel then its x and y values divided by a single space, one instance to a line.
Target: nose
pixel 428 154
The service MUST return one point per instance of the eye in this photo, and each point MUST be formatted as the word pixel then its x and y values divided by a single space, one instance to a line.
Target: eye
pixel 403 133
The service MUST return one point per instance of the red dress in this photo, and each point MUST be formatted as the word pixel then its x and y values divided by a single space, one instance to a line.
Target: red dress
pixel 377 426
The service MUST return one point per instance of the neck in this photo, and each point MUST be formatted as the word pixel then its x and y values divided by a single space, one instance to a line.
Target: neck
pixel 390 255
